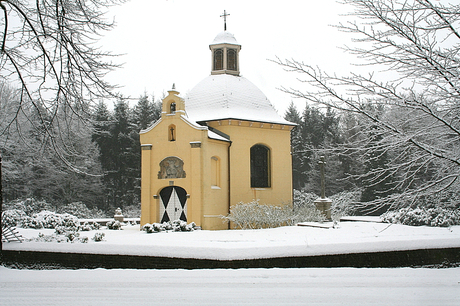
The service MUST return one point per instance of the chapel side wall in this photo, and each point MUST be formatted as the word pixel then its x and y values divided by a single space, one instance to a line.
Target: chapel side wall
pixel 246 134
pixel 215 196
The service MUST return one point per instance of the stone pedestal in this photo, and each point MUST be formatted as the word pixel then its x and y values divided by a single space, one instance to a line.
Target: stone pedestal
pixel 324 205
pixel 118 215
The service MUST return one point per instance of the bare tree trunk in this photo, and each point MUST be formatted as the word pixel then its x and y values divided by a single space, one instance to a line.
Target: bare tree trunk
pixel 1 205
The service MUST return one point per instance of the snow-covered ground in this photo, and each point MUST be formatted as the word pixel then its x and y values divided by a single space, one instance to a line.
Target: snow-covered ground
pixel 347 286
pixel 332 286
pixel 350 237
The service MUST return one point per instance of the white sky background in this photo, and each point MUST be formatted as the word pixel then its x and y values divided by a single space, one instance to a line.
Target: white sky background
pixel 167 41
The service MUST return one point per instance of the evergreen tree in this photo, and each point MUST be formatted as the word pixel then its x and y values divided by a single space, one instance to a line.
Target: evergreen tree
pixel 117 136
pixel 298 149
pixel 146 112
pixel 292 114
pixel 119 147
pixel 103 138
pixel 317 134
pixel 118 177
pixel 313 126
pixel 322 129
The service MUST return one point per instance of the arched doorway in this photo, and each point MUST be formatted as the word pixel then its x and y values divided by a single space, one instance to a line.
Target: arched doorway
pixel 173 204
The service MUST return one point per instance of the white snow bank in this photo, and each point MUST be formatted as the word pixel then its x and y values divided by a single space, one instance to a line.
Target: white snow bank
pixel 350 237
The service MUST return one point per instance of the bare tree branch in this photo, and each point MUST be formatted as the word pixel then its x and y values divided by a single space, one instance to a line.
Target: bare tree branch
pixel 414 117
pixel 48 49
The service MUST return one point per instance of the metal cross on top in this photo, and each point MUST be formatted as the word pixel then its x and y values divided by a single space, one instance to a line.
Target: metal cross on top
pixel 225 19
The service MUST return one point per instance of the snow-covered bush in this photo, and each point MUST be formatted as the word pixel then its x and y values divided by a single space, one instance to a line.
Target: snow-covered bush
pixel 148 228
pixel 13 217
pixel 304 209
pixel 176 225
pixel 114 225
pixel 251 215
pixel 30 222
pixel 344 203
pixel 166 225
pixel 62 230
pixel 255 215
pixel 153 228
pixel 307 214
pixel 83 239
pixel 48 219
pixel 302 198
pixel 48 238
pixel 98 236
pixel 78 209
pixel 61 237
pixel 70 233
pixel 20 213
pixel 51 219
pixel 182 226
pixel 29 206
pixel 423 216
pixel 89 226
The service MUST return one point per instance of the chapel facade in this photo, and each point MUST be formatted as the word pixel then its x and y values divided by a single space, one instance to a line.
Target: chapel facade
pixel 221 145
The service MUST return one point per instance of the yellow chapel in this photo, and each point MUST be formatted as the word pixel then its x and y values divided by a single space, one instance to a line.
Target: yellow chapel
pixel 222 144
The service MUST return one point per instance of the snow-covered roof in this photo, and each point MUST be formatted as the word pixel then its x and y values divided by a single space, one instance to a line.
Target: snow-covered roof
pixel 216 136
pixel 224 38
pixel 226 96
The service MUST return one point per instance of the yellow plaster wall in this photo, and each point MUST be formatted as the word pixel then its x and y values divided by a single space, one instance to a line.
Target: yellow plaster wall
pixel 215 198
pixel 246 134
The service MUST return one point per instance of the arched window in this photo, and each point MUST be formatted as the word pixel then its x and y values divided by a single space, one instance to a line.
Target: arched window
pixel 215 171
pixel 231 60
pixel 172 132
pixel 260 166
pixel 218 59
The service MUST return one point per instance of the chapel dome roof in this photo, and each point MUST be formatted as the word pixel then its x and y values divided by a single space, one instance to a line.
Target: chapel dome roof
pixel 226 96
pixel 224 38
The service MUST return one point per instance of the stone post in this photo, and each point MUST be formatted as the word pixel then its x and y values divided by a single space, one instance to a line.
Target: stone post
pixel 118 215
pixel 323 204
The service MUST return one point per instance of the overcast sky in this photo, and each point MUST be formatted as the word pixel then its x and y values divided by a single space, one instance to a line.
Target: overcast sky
pixel 167 41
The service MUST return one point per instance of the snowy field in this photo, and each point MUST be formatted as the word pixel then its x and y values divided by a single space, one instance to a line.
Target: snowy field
pixel 347 286
pixel 350 237
pixel 332 286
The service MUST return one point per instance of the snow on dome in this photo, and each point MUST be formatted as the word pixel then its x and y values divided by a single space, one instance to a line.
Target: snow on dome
pixel 230 97
pixel 225 38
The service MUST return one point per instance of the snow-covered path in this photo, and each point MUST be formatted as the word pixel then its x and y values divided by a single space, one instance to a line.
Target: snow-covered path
pixel 345 286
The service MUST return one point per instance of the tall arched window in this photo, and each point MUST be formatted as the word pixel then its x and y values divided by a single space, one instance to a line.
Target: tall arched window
pixel 260 166
pixel 218 59
pixel 231 60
